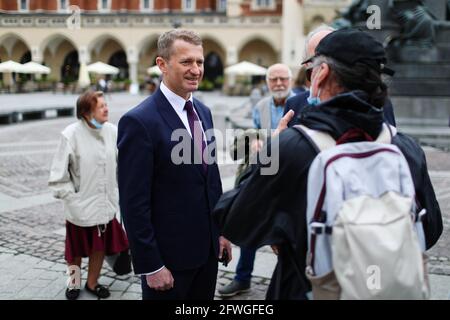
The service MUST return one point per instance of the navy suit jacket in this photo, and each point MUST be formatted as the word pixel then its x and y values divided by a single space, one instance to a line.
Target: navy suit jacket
pixel 298 102
pixel 166 207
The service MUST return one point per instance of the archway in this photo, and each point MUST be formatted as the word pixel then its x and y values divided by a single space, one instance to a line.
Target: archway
pixel 108 49
pixel 215 57
pixel 259 52
pixel 13 47
pixel 147 57
pixel 59 53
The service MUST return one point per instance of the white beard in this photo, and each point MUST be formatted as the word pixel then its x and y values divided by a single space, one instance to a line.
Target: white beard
pixel 280 95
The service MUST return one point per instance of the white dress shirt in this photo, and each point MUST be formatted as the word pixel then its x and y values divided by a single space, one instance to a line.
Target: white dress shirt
pixel 177 104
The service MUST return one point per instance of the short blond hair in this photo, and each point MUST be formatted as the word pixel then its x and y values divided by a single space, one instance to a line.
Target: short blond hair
pixel 166 40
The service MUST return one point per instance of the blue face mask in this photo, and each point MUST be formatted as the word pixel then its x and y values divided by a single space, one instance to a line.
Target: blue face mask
pixel 313 101
pixel 96 124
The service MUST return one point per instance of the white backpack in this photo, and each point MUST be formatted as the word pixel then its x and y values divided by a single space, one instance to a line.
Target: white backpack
pixel 365 239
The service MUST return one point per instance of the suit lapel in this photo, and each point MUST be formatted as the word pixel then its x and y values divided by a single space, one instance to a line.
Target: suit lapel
pixel 167 112
pixel 173 120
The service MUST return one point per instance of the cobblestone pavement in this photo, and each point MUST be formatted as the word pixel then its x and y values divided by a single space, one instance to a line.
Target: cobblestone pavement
pixel 32 228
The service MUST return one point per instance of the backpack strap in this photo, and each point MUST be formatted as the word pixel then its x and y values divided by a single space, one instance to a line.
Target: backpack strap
pixel 322 140
pixel 319 139
pixel 387 133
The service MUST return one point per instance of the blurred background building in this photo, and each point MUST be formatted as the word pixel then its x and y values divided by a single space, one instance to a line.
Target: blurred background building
pixel 63 34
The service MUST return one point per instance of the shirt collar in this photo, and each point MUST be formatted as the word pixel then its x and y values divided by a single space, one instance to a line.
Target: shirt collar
pixel 175 100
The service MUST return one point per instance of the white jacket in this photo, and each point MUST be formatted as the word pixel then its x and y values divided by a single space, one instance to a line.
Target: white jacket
pixel 84 174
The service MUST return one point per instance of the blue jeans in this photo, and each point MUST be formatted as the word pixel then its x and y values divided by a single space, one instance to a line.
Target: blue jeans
pixel 244 268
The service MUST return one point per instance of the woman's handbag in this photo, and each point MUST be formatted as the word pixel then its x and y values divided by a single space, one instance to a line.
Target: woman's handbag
pixel 120 262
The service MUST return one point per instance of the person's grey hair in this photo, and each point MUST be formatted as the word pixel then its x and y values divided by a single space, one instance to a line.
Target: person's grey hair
pixel 356 77
pixel 269 70
pixel 166 40
pixel 322 27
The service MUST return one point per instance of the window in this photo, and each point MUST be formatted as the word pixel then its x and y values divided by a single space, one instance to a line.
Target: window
pixel 263 5
pixel 146 5
pixel 104 5
pixel 188 5
pixel 63 5
pixel 221 5
pixel 23 5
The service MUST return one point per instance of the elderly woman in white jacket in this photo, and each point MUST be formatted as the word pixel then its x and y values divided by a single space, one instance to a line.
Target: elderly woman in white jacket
pixel 83 175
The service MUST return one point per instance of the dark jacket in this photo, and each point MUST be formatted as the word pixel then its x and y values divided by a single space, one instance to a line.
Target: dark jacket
pixel 166 207
pixel 271 209
pixel 299 102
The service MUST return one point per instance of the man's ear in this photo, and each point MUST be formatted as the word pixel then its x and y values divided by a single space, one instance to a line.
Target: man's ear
pixel 322 74
pixel 162 64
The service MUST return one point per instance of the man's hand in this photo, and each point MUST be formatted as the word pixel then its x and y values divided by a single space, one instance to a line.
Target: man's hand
pixel 161 280
pixel 284 122
pixel 225 244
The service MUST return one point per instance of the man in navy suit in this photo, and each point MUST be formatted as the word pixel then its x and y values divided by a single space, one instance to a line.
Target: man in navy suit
pixel 166 205
pixel 299 102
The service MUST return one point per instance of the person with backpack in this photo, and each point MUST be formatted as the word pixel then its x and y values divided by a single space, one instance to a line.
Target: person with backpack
pixel 347 94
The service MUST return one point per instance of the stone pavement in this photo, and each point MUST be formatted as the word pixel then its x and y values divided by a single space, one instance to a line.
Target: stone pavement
pixel 32 227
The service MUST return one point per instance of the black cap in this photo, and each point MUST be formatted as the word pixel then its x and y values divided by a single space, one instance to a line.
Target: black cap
pixel 350 46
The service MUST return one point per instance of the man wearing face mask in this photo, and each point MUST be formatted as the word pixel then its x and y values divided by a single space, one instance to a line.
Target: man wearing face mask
pixel 300 101
pixel 271 209
pixel 266 115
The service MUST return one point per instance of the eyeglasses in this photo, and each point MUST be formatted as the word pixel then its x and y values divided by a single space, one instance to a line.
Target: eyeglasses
pixel 309 70
pixel 282 79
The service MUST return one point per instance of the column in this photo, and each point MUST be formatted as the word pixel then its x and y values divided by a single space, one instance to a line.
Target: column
pixel 36 54
pixel 132 59
pixel 232 58
pixel 84 79
pixel 293 33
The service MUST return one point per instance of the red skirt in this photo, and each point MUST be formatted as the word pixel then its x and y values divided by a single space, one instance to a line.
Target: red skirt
pixel 83 241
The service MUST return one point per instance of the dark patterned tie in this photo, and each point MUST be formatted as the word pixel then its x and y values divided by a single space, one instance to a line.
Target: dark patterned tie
pixel 196 131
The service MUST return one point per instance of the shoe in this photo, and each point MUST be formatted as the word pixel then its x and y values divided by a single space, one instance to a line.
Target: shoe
pixel 233 288
pixel 100 291
pixel 72 294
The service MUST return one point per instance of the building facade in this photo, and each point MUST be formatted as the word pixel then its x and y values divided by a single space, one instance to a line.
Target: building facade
pixel 63 34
